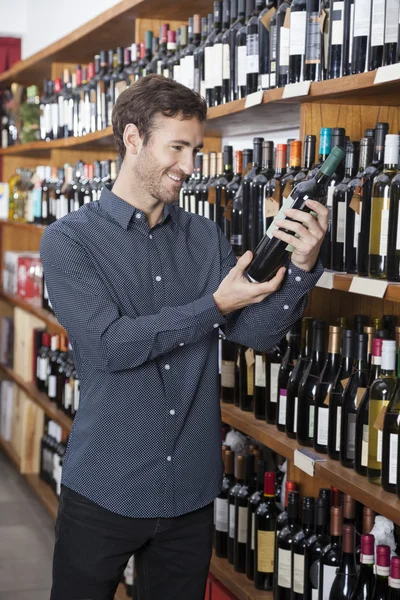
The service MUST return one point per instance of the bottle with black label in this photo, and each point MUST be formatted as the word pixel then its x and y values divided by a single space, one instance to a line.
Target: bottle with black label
pixel 252 49
pixel 241 516
pixel 264 25
pixel 297 40
pixel 313 67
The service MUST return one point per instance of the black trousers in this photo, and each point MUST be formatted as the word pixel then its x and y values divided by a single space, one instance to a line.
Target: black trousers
pixel 93 546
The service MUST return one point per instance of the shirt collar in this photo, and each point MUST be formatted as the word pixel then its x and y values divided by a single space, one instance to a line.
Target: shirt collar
pixel 122 212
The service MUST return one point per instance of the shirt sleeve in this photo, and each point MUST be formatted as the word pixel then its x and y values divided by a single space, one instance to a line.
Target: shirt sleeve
pixel 260 326
pixel 85 307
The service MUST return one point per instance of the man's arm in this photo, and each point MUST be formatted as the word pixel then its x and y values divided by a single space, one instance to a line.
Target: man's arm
pixel 84 306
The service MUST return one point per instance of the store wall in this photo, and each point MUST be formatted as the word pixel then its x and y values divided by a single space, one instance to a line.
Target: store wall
pixel 13 17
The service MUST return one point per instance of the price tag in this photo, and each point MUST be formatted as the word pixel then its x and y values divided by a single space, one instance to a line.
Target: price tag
pixel 328 398
pixel 388 73
pixel 266 20
pixel 286 22
pixel 228 210
pixel 254 99
pixel 355 203
pixel 344 382
pixel 380 418
pixel 326 280
pixel 211 195
pixel 271 207
pixel 249 354
pixel 306 459
pixel 360 395
pixel 292 90
pixel 322 18
pixel 368 287
pixel 287 190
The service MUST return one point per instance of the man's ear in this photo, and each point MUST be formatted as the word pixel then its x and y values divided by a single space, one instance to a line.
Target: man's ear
pixel 132 139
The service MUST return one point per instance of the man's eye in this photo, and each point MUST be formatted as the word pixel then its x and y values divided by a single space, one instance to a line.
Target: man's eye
pixel 177 148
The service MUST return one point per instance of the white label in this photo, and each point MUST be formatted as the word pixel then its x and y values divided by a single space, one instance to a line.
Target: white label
pixel 265 81
pixel 393 447
pixel 338 427
pixel 351 31
pixel 394 583
pixel 252 61
pixel 378 22
pixel 329 577
pixel 362 14
pixel 208 66
pixel 284 47
pixel 392 19
pixel 364 446
pixel 192 203
pixel 298 573
pixel 43 366
pixel 384 571
pixel 189 71
pixel 368 287
pixel 284 568
pixel 52 386
pixel 253 531
pixel 282 407
pixel 323 415
pixel 232 521
pixel 379 446
pixel 242 525
pixel 337 23
pixel 357 226
pixel 314 594
pixel 329 200
pixel 217 68
pixel 67 395
pixel 226 62
pixel 341 222
pixel 77 393
pixel 383 243
pixel 241 65
pixel 398 234
pixel 311 422
pixel 273 382
pixel 296 403
pixel 177 73
pixel 221 514
pixel 166 73
pixel 297 33
pixel 260 380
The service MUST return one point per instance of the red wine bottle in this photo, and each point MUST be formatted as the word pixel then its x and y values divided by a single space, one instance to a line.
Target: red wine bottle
pixel 316 546
pixel 394 581
pixel 285 371
pixel 265 531
pixel 222 507
pixel 331 555
pixel 285 546
pixel 273 364
pixel 281 522
pixel 247 221
pixel 233 492
pixel 301 582
pixel 254 502
pixel 241 516
pixel 345 581
pixel 258 193
pixel 366 577
pixel 381 590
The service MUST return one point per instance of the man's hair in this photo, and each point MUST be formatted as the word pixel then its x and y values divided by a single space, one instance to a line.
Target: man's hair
pixel 151 96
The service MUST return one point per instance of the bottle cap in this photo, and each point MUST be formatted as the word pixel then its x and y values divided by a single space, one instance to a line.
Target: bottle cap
pixel 368 519
pixel 348 343
pixel 171 36
pixel 336 521
pixel 325 140
pixel 348 538
pixel 333 161
pixel 377 347
pixel 367 548
pixel 383 555
pixel 395 568
pixel 291 486
pixel 269 484
pixel 391 149
pixel 295 153
pixel 349 507
pixel 389 355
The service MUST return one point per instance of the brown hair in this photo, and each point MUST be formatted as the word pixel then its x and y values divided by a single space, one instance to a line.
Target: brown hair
pixel 148 97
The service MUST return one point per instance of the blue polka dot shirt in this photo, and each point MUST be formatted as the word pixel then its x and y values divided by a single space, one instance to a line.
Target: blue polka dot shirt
pixel 138 307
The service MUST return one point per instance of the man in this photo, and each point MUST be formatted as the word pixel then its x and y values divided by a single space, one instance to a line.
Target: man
pixel 142 288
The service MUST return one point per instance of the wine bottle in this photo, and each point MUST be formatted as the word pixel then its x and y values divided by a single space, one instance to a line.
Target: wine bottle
pixel 336 58
pixel 209 207
pixel 380 204
pixel 353 207
pixel 273 364
pixel 241 516
pixel 227 370
pixel 339 208
pixel 308 385
pixel 393 258
pixel 313 67
pixel 252 49
pixel 282 44
pixel 273 50
pixel 331 555
pixel 367 178
pixel 246 378
pixel 198 55
pixel 241 53
pixel 362 429
pixel 381 589
pixel 358 381
pixel 258 194
pixel 309 158
pixel 254 502
pixel 264 24
pixel 325 145
pixel 237 208
pixel 285 371
pixel 361 33
pixel 371 333
pixel 317 545
pixel 272 189
pixel 297 40
pixel 377 35
pixel 287 181
pixel 366 578
pixel 394 579
pixel 345 581
pixel 272 253
pixel 391 32
pixel 247 221
pixel 301 582
pixel 221 183
pixel 222 507
pixel 284 547
pixel 231 191
pixel 237 26
pixel 52 367
pixel 233 492
pixel 201 188
pixel 323 389
pixel 264 526
pixel 380 393
pixel 212 59
pixel 292 397
pixel 194 43
pixel 390 442
pixel 260 383
pixel 189 195
pixel 226 53
pixel 218 50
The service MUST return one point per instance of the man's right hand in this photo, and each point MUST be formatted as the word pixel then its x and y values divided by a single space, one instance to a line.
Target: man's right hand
pixel 236 292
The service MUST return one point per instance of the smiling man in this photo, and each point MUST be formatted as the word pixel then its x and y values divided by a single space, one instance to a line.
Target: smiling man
pixel 142 288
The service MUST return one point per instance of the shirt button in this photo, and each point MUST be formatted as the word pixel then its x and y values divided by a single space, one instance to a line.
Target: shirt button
pixel 285 307
pixel 138 215
pixel 290 271
pixel 169 458
pixel 181 344
pixel 172 412
pixel 167 367
pixel 158 278
pixel 216 325
pixel 150 236
pixel 297 278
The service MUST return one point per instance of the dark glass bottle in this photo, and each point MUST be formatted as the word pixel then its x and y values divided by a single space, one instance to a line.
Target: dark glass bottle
pixel 272 190
pixel 241 516
pixel 336 46
pixel 358 380
pixel 394 579
pixel 366 578
pixel 273 363
pixel 309 158
pixel 258 193
pixel 201 188
pixel 361 33
pixel 226 52
pixel 391 33
pixel 233 492
pixel 209 207
pixel 308 386
pixel 301 581
pixel 218 56
pixel 252 45
pixel 313 67
pixel 332 554
pixel 42 363
pixel 297 40
pixel 237 208
pixel 264 21
pixel 227 370
pixel 231 191
pixel 254 502
pixel 282 45
pixel 325 145
pixel 345 581
pixel 381 589
pixel 212 71
pixel 265 532
pixel 198 56
pixel 285 547
pixel 247 193
pixel 221 183
pixel 318 543
pixel 391 429
pixel 393 258
pixel 323 390
pixel 287 181
pixel 377 35
pixel 237 26
pixel 241 53
pixel 273 49
pixel 222 507
pixel 285 372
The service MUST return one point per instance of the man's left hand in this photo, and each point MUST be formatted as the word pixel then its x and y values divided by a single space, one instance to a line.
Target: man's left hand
pixel 311 232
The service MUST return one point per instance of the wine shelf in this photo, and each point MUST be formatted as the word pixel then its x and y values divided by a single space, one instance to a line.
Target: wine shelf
pixel 40 313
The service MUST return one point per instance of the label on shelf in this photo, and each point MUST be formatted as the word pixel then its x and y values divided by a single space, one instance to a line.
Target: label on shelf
pixel 368 287
pixel 293 90
pixel 254 99
pixel 388 73
pixel 305 460
pixel 326 280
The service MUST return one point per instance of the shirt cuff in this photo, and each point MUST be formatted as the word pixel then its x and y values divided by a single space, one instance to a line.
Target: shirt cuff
pixel 207 313
pixel 307 278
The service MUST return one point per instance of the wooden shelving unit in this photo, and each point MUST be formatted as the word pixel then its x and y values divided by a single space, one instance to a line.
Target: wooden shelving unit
pixel 45 315
pixel 237 583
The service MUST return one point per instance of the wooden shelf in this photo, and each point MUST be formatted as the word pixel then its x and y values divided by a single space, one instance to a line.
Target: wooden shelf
pixel 40 313
pixel 31 227
pixel 237 583
pixel 39 398
pixel 10 452
pixel 342 282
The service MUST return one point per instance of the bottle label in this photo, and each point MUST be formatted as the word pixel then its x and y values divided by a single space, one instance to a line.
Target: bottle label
pixel 250 380
pixel 285 205
pixel 252 60
pixel 208 67
pixel 236 239
pixel 297 33
pixel 362 15
pixel 260 371
pixel 192 203
pixel 311 422
pixel 242 525
pixel 67 395
pixel 43 366
pixel 337 18
pixel 284 568
pixel 383 571
pixel 351 436
pixel 341 222
pixel 394 583
pixel 232 520
pixel 221 514
pixel 253 531
pixel 282 407
pixel 52 386
pixel 323 415
pixel 166 73
pixel 228 374
pixel 328 579
pixel 298 573
pixel 226 62
pixel 392 19
pixel 367 559
pixel 338 427
pixel 357 227
pixel 378 22
pixel 265 551
pixel 273 382
pixel 189 72
pixel 398 235
pixel 393 447
pixel 241 65
pixel 296 403
pixel 383 239
pixel 364 446
pixel 314 594
pixel 283 49
pixel 177 73
pixel 217 67
pixel 313 39
pixel 379 446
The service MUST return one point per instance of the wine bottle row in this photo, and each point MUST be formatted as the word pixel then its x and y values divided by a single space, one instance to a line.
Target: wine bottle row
pixel 52 449
pixel 342 398
pixel 321 548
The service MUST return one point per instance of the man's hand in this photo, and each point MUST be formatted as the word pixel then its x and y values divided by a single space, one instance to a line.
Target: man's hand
pixel 236 292
pixel 308 244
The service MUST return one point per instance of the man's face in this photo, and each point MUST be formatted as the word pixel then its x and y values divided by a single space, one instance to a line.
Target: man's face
pixel 168 158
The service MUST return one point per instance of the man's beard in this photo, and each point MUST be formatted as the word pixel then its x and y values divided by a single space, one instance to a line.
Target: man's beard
pixel 153 183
